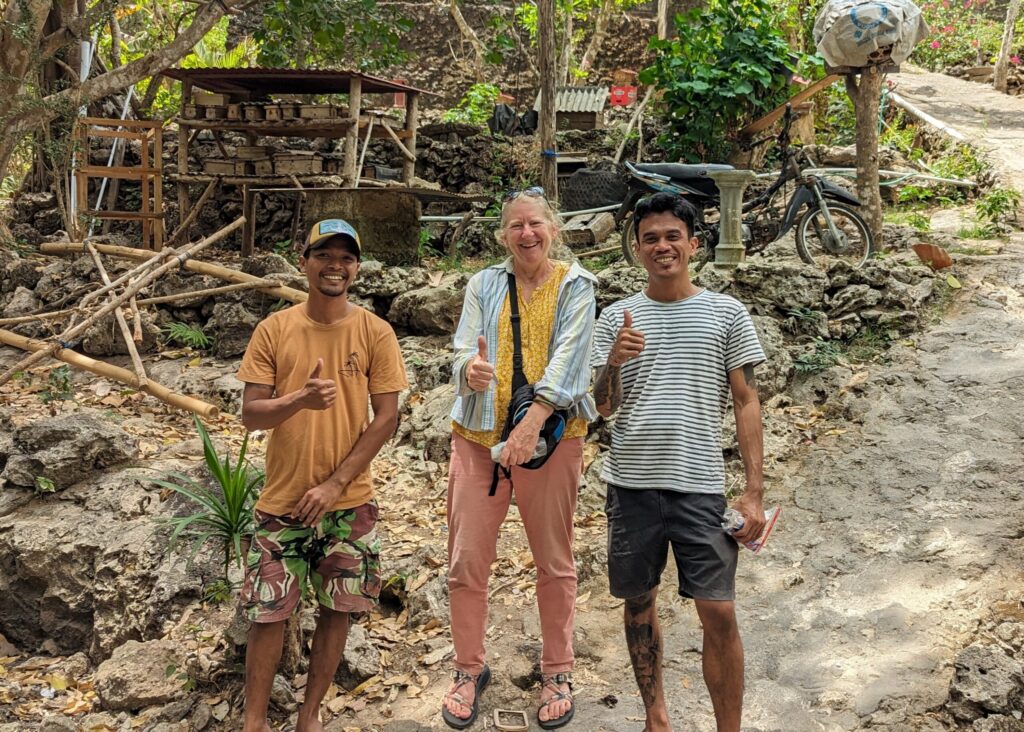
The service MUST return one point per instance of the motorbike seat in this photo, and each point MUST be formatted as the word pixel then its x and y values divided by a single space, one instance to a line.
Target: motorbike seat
pixel 681 171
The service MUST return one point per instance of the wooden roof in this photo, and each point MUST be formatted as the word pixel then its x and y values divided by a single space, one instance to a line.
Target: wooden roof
pixel 259 81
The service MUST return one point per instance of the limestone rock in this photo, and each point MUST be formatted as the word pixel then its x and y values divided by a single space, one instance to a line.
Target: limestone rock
pixel 360 661
pixel 774 374
pixel 998 723
pixel 985 680
pixel 22 273
pixel 104 337
pixel 231 327
pixel 378 280
pixel 22 302
pixel 429 425
pixel 428 361
pixel 786 285
pixel 619 281
pixel 430 310
pixel 264 263
pixel 135 676
pixel 66 449
pixel 852 299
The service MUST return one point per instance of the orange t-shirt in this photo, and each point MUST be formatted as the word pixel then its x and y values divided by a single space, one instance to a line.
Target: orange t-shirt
pixel 362 353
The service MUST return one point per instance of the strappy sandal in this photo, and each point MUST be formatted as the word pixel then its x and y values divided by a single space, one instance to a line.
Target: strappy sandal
pixel 461 678
pixel 552 681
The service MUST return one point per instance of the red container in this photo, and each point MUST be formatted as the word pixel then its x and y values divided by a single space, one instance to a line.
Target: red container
pixel 622 96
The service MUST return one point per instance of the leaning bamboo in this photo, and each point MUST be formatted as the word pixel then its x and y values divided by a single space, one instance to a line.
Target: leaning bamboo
pixel 177 296
pixel 225 273
pixel 122 324
pixel 116 302
pixel 109 371
pixel 183 226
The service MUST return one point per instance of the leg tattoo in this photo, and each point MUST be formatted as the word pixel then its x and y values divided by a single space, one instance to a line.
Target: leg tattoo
pixel 643 638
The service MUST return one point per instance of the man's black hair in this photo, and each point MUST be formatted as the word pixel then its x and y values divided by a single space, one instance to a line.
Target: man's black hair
pixel 664 203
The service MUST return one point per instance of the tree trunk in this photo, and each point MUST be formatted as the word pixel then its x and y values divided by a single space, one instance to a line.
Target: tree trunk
pixel 470 36
pixel 565 57
pixel 865 95
pixel 664 22
pixel 16 58
pixel 1003 60
pixel 546 41
pixel 604 16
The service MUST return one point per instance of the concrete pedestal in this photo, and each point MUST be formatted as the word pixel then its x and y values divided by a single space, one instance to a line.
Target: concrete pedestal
pixel 731 183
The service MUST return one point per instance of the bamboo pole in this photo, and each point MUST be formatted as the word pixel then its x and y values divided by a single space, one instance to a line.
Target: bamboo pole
pixel 109 371
pixel 183 226
pixel 214 270
pixel 116 302
pixel 122 324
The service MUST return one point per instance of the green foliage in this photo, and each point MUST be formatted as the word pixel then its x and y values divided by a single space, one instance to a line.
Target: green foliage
pixel 825 355
pixel 58 384
pixel 323 33
pixel 835 121
pixel 998 207
pixel 225 514
pixel 476 105
pixel 919 221
pixel 44 485
pixel 285 249
pixel 962 32
pixel 217 592
pixel 726 66
pixel 185 335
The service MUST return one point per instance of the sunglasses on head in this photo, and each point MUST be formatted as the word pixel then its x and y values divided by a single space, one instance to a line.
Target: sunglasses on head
pixel 532 192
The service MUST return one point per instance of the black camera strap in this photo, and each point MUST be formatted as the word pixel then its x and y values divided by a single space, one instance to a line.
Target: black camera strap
pixel 518 376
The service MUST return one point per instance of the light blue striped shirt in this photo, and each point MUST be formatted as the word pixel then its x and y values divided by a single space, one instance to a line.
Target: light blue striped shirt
pixel 566 380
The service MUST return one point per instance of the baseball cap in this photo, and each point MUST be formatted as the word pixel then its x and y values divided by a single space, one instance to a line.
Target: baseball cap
pixel 323 230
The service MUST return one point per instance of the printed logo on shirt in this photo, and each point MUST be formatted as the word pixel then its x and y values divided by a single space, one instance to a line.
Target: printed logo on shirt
pixel 351 367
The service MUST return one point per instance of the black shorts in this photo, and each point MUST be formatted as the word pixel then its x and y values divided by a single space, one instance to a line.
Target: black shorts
pixel 642 524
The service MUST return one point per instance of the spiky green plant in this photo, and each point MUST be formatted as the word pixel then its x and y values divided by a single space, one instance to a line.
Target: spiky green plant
pixel 226 505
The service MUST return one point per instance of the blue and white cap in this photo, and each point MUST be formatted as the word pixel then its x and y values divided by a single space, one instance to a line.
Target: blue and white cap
pixel 322 231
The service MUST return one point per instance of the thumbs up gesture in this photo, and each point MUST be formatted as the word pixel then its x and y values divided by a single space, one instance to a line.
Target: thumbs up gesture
pixel 480 371
pixel 629 342
pixel 318 393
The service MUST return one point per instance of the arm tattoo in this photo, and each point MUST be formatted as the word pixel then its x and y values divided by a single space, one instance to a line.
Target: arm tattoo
pixel 608 386
pixel 748 376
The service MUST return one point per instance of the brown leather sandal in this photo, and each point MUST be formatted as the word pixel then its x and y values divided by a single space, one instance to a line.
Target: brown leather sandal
pixel 552 681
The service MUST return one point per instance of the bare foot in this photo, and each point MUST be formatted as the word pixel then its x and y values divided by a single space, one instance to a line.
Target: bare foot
pixel 553 706
pixel 306 723
pixel 263 726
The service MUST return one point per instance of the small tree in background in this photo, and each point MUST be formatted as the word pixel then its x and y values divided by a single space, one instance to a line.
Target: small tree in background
pixel 727 65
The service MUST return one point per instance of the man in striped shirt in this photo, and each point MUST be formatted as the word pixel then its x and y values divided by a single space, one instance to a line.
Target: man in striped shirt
pixel 667 359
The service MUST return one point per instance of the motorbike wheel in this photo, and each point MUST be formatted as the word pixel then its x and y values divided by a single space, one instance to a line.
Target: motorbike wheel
pixel 816 245
pixel 628 250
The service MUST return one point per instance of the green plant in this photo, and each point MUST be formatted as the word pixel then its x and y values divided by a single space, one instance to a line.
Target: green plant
pixel 825 355
pixel 998 207
pixel 44 485
pixel 58 385
pixel 728 64
pixel 285 249
pixel 217 592
pixel 919 221
pixel 476 105
pixel 188 682
pixel 226 509
pixel 185 335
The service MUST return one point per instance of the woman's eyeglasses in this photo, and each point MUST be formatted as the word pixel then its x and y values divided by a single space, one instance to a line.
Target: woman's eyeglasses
pixel 532 192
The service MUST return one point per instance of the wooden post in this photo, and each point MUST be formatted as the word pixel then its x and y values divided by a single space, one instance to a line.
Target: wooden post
pixel 144 202
pixel 865 95
pixel 1002 68
pixel 249 229
pixel 412 121
pixel 183 141
pixel 548 60
pixel 355 100
pixel 158 186
pixel 81 183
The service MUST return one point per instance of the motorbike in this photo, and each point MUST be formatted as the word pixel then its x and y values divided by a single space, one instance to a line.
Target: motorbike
pixel 828 226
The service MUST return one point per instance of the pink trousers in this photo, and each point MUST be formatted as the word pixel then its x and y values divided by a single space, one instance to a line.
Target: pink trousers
pixel 546 498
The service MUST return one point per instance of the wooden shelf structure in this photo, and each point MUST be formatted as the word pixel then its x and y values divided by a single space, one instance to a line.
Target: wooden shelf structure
pixel 149 173
pixel 257 83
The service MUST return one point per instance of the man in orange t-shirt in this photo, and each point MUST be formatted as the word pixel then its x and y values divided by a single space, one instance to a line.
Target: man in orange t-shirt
pixel 310 373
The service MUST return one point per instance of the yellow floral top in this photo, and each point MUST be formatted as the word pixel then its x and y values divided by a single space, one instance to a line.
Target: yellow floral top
pixel 536 322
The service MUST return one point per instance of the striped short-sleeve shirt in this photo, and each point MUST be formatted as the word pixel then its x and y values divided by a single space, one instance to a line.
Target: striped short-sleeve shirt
pixel 667 431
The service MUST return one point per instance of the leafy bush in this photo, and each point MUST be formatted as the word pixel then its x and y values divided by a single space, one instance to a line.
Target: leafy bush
pixel 225 514
pixel 476 105
pixel 727 65
pixel 962 33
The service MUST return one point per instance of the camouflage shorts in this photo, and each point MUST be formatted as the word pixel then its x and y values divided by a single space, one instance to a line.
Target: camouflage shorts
pixel 341 556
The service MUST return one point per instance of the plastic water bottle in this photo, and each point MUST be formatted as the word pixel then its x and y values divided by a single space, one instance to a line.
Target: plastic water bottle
pixel 540 451
pixel 733 521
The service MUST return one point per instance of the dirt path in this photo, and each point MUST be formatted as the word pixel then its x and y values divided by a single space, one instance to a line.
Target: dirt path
pixel 993 121
pixel 899 536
